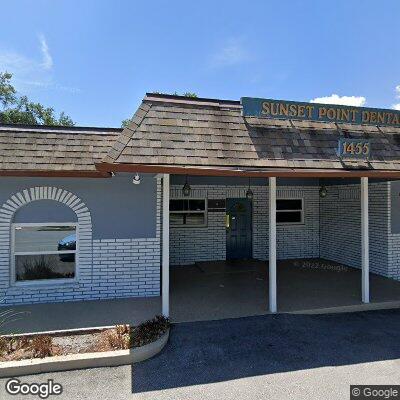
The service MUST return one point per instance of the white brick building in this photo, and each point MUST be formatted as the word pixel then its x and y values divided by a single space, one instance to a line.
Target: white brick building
pixel 219 180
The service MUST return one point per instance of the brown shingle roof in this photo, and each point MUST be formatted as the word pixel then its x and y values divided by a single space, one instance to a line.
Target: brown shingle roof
pixel 197 133
pixel 40 148
pixel 206 134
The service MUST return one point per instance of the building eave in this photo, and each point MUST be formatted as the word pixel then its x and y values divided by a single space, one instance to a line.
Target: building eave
pixel 59 174
pixel 260 172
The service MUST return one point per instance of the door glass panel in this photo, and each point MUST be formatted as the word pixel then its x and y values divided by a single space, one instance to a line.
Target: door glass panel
pixel 240 207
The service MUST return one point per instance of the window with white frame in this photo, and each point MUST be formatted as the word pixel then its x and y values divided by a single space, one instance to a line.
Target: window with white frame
pixel 44 252
pixel 289 211
pixel 188 212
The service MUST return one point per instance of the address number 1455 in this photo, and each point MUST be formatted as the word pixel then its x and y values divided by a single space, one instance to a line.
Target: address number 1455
pixel 354 148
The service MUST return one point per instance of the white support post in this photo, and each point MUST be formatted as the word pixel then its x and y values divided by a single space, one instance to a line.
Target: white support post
pixel 364 241
pixel 165 246
pixel 272 245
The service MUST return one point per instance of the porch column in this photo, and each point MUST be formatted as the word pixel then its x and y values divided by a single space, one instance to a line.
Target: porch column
pixel 165 246
pixel 272 245
pixel 364 241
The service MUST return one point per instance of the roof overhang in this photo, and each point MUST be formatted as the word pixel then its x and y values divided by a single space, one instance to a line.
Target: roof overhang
pixel 260 172
pixel 59 174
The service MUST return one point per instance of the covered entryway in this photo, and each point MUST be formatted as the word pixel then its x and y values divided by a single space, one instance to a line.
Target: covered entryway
pixel 231 289
pixel 293 245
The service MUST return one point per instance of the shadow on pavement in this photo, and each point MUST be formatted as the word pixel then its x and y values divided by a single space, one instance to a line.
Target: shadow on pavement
pixel 214 351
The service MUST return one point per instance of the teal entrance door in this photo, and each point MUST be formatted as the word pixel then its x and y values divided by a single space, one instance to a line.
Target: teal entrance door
pixel 238 229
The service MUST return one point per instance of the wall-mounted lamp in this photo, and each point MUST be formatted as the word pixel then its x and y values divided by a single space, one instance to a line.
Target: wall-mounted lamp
pixel 249 192
pixel 323 191
pixel 136 179
pixel 186 188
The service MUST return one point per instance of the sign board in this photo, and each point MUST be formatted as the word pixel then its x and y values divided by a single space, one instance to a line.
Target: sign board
pixel 354 148
pixel 282 109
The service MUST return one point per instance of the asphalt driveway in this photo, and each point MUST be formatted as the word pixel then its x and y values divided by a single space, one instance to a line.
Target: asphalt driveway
pixel 271 356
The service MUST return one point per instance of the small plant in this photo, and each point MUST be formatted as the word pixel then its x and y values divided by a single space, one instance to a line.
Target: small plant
pixel 120 338
pixel 123 329
pixel 3 346
pixel 42 346
pixel 149 331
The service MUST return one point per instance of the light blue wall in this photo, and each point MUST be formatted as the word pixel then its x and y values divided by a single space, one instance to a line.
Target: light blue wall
pixel 45 211
pixel 119 209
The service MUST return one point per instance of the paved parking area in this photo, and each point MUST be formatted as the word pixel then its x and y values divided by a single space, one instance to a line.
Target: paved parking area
pixel 264 357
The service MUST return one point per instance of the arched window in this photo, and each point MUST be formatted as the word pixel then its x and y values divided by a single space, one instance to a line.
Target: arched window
pixel 44 251
pixel 43 230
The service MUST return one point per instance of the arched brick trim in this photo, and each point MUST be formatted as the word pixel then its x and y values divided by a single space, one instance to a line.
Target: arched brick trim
pixel 26 196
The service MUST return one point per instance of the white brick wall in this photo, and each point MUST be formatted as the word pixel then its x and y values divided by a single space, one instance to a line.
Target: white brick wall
pixel 332 227
pixel 293 241
pixel 106 268
pixel 189 245
pixel 340 230
pixel 393 246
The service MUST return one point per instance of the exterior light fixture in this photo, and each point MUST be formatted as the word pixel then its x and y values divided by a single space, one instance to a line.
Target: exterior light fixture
pixel 186 188
pixel 323 191
pixel 249 192
pixel 136 179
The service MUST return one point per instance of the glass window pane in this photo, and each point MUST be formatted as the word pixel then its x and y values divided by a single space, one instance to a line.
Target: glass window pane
pixel 176 219
pixel 176 205
pixel 40 267
pixel 288 216
pixel 44 238
pixel 288 204
pixel 197 205
pixel 195 219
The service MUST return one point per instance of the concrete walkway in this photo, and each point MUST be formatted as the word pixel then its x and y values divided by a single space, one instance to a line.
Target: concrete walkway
pixel 223 289
pixel 82 314
pixel 219 290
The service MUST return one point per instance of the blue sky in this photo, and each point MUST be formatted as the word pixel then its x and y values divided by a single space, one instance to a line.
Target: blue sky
pixel 96 59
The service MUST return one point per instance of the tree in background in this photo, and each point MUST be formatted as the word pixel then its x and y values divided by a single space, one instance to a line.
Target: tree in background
pixel 126 122
pixel 15 109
